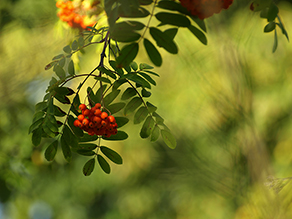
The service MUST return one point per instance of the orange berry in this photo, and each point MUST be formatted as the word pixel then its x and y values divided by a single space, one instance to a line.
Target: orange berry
pixel 107 134
pixel 76 123
pixel 98 105
pixel 86 112
pixel 96 120
pixel 82 107
pixel 111 119
pixel 97 112
pixel 91 125
pixel 103 115
pixel 85 122
pixel 80 117
pixel 104 123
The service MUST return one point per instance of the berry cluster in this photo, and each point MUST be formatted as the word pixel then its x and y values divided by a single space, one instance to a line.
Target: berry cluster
pixel 69 14
pixel 205 8
pixel 96 122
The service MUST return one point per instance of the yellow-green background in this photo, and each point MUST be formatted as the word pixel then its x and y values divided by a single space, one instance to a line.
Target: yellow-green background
pixel 228 104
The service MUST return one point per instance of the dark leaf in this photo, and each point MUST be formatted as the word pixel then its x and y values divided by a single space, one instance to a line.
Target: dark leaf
pixel 155 133
pixel 87 146
pixel 37 136
pixel 85 152
pixel 108 99
pixel 169 139
pixel 116 107
pixel 121 121
pixel 171 32
pixel 151 107
pixel 74 45
pixel 172 6
pixel 138 79
pixel 103 79
pixel 71 69
pixel 103 164
pixel 145 93
pixel 128 93
pixel 61 98
pixel 132 105
pixel 88 167
pixel 59 112
pixel 135 13
pixel 199 34
pixel 140 115
pixel 86 138
pixel 67 49
pixel 147 127
pixel 173 19
pixel 77 131
pixel 66 149
pixel 148 78
pixel 112 155
pixel 127 55
pixel 35 125
pixel 121 135
pixel 51 151
pixel 270 27
pixel 163 40
pixel 272 12
pixel 152 53
pixel 107 72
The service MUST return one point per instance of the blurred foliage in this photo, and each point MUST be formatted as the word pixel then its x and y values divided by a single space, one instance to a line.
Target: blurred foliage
pixel 228 103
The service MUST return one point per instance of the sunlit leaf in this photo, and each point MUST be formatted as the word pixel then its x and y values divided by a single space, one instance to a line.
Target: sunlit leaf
pixel 116 107
pixel 163 40
pixel 88 167
pixel 132 105
pixel 121 135
pixel 110 97
pixel 173 19
pixel 103 164
pixel 152 52
pixel 199 34
pixel 112 155
pixel 169 139
pixel 127 55
pixel 140 115
pixel 121 121
pixel 147 127
pixel 51 151
pixel 128 93
pixel 37 136
pixel 155 133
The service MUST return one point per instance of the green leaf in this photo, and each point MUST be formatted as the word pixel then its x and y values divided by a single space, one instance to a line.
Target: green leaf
pixel 168 139
pixel 199 34
pixel 87 146
pixel 67 49
pixel 125 36
pixel 173 6
pixel 275 41
pixel 121 135
pixel 58 112
pixel 145 93
pixel 128 93
pixel 110 97
pixel 38 115
pixel 138 79
pixel 272 12
pixel 99 93
pixel 148 78
pixel 88 167
pixel 71 69
pixel 171 32
pixel 121 121
pixel 200 23
pixel 144 66
pixel 125 31
pixel 77 131
pixel 103 164
pixel 158 118
pixel 86 138
pixel 50 65
pixel 59 71
pixel 113 64
pixel 41 106
pixel 173 19
pixel 116 107
pixel 163 40
pixel 112 155
pixel 140 115
pixel 66 149
pixel 152 53
pixel 85 152
pixel 151 107
pixel 37 136
pixel 132 105
pixel 280 24
pixel 270 27
pixel 61 98
pixel 155 133
pixel 58 57
pixel 51 151
pixel 35 125
pixel 127 55
pixel 107 72
pixel 135 13
pixel 74 45
pixel 147 127
pixel 80 41
pixel 103 79
pixel 62 62
pixel 128 26
pixel 134 66
pixel 70 138
pixel 118 83
pixel 264 13
pixel 75 105
pixel 66 91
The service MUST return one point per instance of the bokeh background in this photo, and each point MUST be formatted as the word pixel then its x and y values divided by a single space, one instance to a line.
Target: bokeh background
pixel 228 104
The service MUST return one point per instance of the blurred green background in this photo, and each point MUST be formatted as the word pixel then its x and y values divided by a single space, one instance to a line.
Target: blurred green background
pixel 228 104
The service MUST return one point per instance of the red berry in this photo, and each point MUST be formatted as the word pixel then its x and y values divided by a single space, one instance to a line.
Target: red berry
pixel 82 107
pixel 80 117
pixel 111 119
pixel 97 112
pixel 98 105
pixel 86 112
pixel 76 123
pixel 103 115
pixel 104 123
pixel 96 120
pixel 85 122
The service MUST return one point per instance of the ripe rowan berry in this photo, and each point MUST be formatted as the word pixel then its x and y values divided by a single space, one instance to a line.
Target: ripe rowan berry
pixel 91 125
pixel 96 120
pixel 82 107
pixel 98 105
pixel 111 119
pixel 97 112
pixel 76 123
pixel 104 123
pixel 103 115
pixel 86 112
pixel 80 117
pixel 85 122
